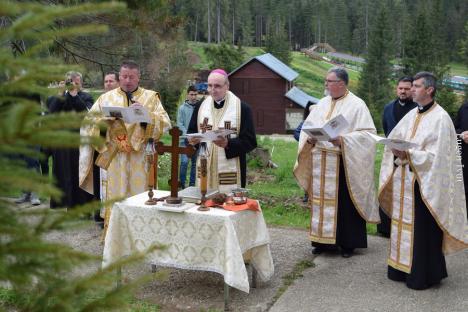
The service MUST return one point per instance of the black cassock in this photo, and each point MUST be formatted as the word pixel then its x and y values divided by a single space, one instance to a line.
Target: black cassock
pixel 350 227
pixel 461 124
pixel 245 142
pixel 65 160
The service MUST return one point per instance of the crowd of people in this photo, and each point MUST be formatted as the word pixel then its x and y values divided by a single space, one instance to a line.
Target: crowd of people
pixel 420 204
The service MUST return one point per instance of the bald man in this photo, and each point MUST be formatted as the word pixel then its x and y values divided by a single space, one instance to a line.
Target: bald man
pixel 227 155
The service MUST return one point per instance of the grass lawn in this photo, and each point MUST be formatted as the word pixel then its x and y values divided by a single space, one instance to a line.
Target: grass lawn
pixel 277 189
pixel 458 69
pixel 312 72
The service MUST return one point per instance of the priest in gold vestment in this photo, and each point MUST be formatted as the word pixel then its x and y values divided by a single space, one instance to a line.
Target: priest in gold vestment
pixel 339 175
pixel 123 154
pixel 421 193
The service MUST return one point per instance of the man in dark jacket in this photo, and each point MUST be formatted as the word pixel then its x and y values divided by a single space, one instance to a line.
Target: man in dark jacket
pixel 393 113
pixel 65 160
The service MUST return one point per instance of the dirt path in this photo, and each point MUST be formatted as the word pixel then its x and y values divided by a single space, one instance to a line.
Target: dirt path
pixel 184 290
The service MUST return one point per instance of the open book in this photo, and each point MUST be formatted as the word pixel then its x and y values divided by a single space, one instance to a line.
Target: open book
pixel 398 144
pixel 212 135
pixel 192 194
pixel 332 129
pixel 131 114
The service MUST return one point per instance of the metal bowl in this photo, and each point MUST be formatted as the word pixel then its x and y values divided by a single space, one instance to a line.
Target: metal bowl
pixel 239 200
pixel 240 192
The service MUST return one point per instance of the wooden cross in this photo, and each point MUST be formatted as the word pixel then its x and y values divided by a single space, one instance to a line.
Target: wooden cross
pixel 205 126
pixel 175 150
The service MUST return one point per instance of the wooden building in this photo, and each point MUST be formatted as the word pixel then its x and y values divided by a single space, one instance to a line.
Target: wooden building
pixel 263 82
pixel 293 114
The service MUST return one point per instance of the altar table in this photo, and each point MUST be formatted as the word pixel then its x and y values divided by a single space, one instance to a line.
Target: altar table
pixel 214 240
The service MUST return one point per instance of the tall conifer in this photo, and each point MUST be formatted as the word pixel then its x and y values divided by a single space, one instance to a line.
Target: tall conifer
pixel 374 83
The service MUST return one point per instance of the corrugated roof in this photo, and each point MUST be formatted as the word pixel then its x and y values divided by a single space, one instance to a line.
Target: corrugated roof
pixel 346 57
pixel 274 64
pixel 300 97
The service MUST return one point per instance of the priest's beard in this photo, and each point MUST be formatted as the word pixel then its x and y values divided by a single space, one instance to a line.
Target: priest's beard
pixel 326 92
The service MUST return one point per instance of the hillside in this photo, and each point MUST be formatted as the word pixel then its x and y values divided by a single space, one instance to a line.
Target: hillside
pixel 311 72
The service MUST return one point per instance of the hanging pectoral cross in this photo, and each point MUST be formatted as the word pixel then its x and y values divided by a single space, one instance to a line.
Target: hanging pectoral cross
pixel 227 125
pixel 175 150
pixel 205 126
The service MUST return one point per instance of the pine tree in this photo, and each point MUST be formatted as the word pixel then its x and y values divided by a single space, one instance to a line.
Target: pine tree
pixel 224 56
pixel 35 273
pixel 277 43
pixel 463 46
pixel 374 83
pixel 423 44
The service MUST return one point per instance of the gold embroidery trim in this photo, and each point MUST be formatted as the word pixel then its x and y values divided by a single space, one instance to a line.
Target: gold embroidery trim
pixel 330 112
pixel 400 217
pixel 322 190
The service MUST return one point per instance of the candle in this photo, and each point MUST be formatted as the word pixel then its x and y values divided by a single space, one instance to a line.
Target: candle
pixel 151 170
pixel 203 176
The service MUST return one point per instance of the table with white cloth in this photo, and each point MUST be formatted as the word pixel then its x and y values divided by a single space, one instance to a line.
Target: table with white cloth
pixel 214 240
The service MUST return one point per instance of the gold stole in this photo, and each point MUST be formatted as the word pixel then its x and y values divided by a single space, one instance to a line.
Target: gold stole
pixel 402 226
pixel 223 174
pixel 324 195
pixel 324 190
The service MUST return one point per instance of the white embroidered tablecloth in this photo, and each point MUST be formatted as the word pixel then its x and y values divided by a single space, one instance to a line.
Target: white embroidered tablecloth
pixel 210 241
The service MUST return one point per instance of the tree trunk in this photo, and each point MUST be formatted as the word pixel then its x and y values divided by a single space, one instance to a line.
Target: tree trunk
pixel 233 22
pixel 195 36
pixel 218 21
pixel 209 21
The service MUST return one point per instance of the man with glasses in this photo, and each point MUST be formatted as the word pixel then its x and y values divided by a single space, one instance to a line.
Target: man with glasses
pixel 339 174
pixel 222 109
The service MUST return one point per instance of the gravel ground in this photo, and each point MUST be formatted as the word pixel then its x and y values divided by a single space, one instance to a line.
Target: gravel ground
pixel 185 290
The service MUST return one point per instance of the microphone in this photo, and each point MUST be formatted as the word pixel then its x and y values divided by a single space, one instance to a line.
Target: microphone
pixel 132 100
pixel 130 97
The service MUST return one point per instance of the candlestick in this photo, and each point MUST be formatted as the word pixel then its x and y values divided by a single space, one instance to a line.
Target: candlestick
pixel 150 170
pixel 203 177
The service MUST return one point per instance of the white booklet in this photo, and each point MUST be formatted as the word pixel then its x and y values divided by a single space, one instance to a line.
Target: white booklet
pixel 132 114
pixel 332 129
pixel 211 135
pixel 398 144
pixel 192 194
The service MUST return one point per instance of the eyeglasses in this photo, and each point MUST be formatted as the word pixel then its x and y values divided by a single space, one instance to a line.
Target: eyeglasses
pixel 330 81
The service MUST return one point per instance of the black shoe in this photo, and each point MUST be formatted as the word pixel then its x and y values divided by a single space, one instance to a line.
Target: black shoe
pixel 318 250
pixel 386 235
pixel 346 253
pixel 24 198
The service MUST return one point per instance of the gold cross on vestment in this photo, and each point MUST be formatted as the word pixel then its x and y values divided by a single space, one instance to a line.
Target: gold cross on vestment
pixel 205 126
